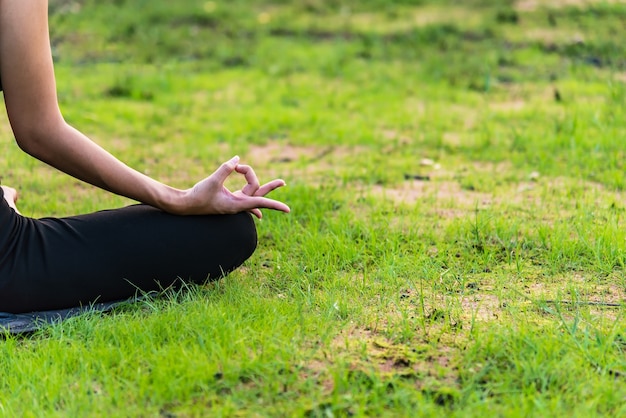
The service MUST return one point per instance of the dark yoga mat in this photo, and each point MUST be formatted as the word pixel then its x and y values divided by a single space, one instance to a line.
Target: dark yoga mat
pixel 33 321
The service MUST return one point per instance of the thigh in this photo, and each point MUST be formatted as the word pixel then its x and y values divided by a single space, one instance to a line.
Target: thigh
pixel 111 255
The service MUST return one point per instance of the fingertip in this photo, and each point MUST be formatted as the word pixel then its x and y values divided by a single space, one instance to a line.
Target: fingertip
pixel 278 183
pixel 242 168
pixel 284 208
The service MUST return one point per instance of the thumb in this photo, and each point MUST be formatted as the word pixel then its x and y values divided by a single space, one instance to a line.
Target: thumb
pixel 226 169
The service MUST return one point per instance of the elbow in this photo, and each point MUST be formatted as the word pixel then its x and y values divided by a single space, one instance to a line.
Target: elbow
pixel 25 143
pixel 35 139
pixel 31 143
pixel 35 125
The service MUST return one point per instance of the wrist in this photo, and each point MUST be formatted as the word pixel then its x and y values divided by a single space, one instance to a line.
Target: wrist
pixel 171 200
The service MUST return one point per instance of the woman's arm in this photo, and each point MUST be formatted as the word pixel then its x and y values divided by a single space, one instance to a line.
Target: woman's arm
pixel 40 130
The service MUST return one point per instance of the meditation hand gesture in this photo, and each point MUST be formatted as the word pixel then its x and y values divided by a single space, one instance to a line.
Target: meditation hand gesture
pixel 210 196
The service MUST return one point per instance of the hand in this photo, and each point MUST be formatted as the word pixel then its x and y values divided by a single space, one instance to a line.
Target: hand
pixel 10 195
pixel 210 196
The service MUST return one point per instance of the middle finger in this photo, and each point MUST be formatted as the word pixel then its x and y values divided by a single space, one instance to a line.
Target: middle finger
pixel 251 179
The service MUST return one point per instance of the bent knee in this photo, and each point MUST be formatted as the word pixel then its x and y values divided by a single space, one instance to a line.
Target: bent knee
pixel 247 234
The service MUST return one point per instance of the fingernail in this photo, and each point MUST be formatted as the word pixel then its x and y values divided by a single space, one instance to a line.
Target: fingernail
pixel 235 159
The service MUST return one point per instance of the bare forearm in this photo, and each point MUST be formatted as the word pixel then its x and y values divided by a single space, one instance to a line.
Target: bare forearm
pixel 70 151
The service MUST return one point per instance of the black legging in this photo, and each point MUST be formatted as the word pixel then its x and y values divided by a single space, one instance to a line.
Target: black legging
pixel 56 263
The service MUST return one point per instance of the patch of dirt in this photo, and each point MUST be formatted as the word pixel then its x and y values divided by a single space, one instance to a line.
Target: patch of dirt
pixel 391 134
pixel 276 152
pixel 481 307
pixel 313 162
pixel 316 369
pixel 514 106
pixel 415 105
pixel 532 5
pixel 423 15
pixel 372 350
pixel 550 36
pixel 603 300
pixel 460 309
pixel 588 291
pixel 412 192
pixel 452 139
pixel 448 198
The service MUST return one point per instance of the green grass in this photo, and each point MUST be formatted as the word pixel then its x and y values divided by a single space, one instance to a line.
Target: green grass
pixel 494 288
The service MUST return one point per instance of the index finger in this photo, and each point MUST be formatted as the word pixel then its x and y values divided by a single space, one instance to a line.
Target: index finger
pixel 225 169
